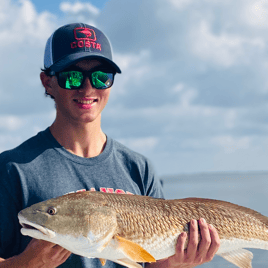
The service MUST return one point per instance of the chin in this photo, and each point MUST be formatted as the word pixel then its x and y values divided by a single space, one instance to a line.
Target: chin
pixel 88 120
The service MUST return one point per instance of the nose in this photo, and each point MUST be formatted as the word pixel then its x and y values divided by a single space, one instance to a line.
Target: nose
pixel 86 85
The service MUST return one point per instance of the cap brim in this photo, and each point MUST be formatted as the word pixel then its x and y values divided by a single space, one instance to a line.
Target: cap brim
pixel 74 58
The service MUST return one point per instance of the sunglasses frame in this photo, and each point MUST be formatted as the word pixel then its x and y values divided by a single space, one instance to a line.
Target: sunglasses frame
pixel 85 75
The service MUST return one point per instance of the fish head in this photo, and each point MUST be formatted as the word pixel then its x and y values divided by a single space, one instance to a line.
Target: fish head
pixel 36 221
pixel 69 219
pixel 55 216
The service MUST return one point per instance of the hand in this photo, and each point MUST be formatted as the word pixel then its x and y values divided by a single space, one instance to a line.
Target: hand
pixel 196 253
pixel 43 254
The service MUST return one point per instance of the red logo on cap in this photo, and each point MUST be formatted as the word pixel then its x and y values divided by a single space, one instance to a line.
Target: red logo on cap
pixel 85 37
pixel 83 33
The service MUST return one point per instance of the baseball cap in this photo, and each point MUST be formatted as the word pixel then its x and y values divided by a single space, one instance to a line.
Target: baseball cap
pixel 74 42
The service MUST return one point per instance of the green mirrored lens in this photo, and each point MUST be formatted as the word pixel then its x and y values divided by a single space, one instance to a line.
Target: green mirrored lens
pixel 101 80
pixel 71 79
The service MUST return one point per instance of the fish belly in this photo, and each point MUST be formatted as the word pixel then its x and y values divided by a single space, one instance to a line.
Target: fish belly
pixel 110 252
pixel 160 247
pixel 164 248
pixel 228 245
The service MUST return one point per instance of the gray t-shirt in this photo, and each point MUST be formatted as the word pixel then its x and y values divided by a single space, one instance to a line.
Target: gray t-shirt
pixel 40 169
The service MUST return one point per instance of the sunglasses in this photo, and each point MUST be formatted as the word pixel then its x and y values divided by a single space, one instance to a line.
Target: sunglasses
pixel 74 79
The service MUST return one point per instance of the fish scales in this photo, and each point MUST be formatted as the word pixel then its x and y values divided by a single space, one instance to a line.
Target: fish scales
pixel 135 215
pixel 128 228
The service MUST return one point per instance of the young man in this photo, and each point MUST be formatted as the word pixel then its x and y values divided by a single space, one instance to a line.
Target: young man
pixel 74 154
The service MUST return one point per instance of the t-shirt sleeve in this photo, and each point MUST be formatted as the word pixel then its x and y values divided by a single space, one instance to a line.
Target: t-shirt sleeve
pixel 9 208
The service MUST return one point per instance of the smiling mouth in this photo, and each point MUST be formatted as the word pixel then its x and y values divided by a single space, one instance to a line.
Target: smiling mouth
pixel 85 101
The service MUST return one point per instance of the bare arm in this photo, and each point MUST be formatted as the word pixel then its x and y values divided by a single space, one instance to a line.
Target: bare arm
pixel 38 254
pixel 196 253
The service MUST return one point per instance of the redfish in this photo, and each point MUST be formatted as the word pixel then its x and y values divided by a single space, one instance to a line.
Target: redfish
pixel 128 229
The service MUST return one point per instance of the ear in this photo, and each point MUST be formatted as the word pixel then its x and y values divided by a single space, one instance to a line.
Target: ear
pixel 46 82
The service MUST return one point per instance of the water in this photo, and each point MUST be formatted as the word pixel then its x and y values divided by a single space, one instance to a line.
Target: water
pixel 247 189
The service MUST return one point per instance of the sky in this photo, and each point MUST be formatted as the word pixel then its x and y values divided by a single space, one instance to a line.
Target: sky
pixel 193 93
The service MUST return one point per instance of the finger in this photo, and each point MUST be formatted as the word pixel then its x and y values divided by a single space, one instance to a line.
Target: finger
pixel 58 248
pixel 193 241
pixel 47 244
pixel 66 255
pixel 205 242
pixel 180 246
pixel 215 243
pixel 57 251
pixel 37 244
pixel 60 256
pixel 179 251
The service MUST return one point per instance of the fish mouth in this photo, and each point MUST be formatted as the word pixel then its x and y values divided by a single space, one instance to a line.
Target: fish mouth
pixel 35 230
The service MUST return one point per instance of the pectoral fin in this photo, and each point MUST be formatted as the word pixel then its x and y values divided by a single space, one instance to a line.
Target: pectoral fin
pixel 134 251
pixel 103 261
pixel 102 224
pixel 240 257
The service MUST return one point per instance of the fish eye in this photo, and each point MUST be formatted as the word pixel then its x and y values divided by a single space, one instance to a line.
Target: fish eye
pixel 51 211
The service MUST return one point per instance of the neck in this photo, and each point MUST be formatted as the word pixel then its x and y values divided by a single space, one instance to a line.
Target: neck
pixel 84 140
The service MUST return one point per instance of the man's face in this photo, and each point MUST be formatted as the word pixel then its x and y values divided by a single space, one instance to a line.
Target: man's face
pixel 80 106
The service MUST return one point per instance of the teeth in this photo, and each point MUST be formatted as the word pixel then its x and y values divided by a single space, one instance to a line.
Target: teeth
pixel 85 101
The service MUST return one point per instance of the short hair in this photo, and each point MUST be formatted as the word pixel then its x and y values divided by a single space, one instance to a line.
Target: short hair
pixel 47 72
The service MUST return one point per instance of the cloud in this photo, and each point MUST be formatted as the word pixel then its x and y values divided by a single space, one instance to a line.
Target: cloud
pixel 23 34
pixel 78 8
pixel 80 12
pixel 255 13
pixel 22 25
pixel 135 66
pixel 224 49
pixel 180 4
pixel 230 144
pixel 140 144
pixel 193 93
pixel 10 122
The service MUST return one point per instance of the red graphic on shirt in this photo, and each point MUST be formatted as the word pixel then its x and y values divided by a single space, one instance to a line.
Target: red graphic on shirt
pixel 104 190
pixel 85 37
pixel 79 191
pixel 112 191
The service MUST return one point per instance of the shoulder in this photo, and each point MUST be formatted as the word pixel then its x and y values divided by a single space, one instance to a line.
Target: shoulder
pixel 25 151
pixel 140 169
pixel 10 183
pixel 129 155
